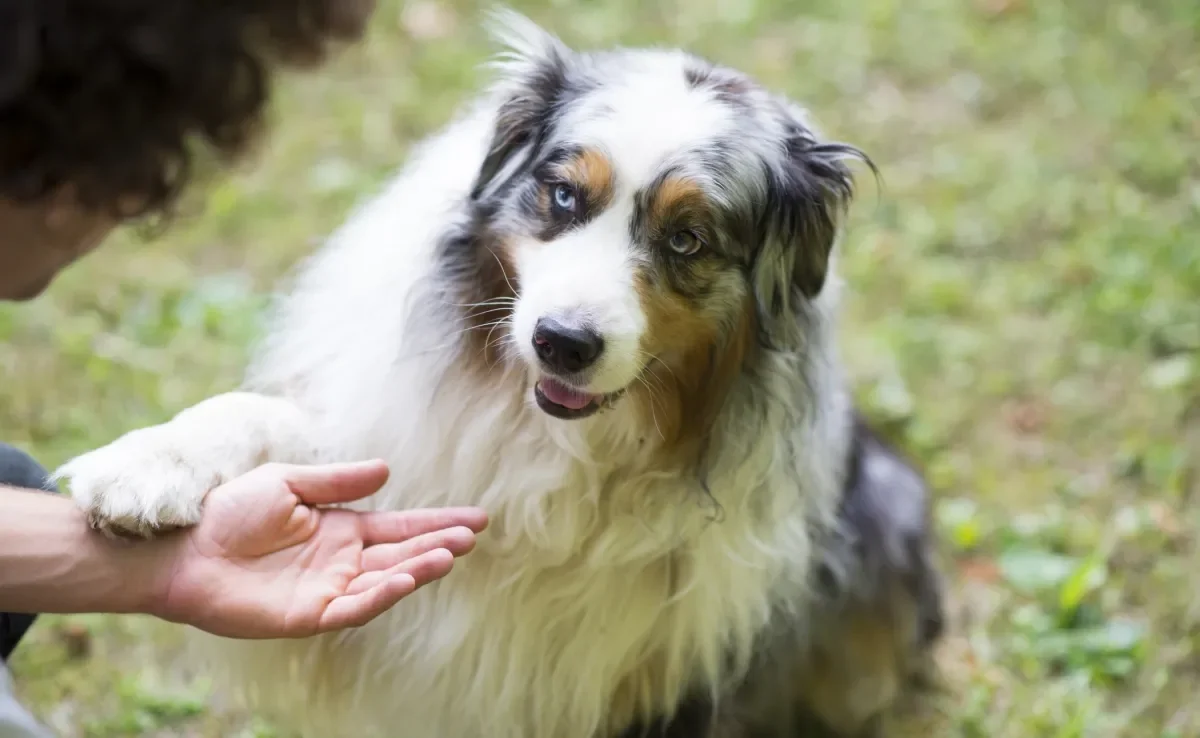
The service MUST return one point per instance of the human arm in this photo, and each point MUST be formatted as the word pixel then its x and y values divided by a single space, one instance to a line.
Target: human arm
pixel 263 562
pixel 51 560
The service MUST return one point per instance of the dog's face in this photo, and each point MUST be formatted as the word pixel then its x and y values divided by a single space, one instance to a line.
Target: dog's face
pixel 653 217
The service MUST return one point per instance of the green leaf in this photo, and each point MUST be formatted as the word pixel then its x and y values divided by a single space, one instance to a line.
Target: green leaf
pixel 1087 577
pixel 1111 650
pixel 1032 571
pixel 959 518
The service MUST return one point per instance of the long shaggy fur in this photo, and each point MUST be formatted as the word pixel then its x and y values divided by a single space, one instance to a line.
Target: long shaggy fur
pixel 680 554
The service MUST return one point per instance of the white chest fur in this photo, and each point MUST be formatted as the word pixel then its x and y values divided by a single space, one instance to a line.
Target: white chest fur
pixel 600 591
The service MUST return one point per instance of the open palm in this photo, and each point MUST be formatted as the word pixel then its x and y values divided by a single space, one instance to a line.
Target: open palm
pixel 266 562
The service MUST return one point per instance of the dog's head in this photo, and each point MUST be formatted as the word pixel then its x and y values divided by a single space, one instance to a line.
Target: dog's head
pixel 655 219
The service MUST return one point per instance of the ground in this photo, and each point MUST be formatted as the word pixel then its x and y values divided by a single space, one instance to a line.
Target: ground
pixel 1024 317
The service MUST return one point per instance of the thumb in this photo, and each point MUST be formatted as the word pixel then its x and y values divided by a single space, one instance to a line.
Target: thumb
pixel 327 484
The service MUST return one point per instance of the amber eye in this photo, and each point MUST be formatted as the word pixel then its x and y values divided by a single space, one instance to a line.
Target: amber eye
pixel 564 198
pixel 685 243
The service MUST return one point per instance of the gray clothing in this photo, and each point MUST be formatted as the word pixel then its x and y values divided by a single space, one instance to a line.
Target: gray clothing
pixel 17 470
pixel 15 721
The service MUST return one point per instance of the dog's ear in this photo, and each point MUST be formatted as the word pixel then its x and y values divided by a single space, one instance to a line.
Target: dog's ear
pixel 532 77
pixel 807 194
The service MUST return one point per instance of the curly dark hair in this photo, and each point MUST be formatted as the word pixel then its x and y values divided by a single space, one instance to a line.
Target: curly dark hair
pixel 114 99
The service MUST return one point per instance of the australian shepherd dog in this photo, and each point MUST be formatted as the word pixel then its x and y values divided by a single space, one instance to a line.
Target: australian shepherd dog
pixel 601 304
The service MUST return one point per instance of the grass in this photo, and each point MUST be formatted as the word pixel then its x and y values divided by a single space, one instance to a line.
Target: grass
pixel 1024 317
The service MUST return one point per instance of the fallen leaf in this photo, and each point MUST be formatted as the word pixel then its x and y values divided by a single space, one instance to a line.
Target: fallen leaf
pixel 1164 518
pixel 1026 416
pixel 980 569
pixel 77 640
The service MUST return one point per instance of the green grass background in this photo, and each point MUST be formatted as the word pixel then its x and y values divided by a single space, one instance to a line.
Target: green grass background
pixel 1024 316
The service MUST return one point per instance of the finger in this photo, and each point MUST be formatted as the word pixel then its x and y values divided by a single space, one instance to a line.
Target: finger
pixel 326 484
pixel 350 611
pixel 424 569
pixel 428 567
pixel 457 541
pixel 361 607
pixel 363 582
pixel 393 527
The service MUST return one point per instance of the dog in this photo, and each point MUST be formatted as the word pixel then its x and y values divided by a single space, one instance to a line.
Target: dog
pixel 600 303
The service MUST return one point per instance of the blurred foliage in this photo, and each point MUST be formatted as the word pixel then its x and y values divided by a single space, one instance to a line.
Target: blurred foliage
pixel 1023 317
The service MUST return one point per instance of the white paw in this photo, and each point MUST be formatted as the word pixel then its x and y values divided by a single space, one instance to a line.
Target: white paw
pixel 139 485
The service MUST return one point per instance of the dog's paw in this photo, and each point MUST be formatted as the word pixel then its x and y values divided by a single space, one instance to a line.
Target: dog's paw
pixel 140 485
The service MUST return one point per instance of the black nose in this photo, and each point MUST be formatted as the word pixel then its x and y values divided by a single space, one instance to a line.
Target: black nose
pixel 567 348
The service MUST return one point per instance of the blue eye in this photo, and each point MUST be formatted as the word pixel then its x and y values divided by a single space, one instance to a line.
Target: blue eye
pixel 564 197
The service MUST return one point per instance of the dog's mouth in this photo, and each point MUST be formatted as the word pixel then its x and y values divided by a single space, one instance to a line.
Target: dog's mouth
pixel 560 400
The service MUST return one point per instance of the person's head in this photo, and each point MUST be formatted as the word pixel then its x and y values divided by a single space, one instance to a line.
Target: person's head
pixel 104 105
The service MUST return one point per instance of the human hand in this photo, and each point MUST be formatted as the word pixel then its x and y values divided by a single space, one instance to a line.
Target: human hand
pixel 265 562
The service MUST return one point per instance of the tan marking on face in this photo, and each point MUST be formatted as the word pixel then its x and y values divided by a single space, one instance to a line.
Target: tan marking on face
pixel 696 363
pixel 676 202
pixel 591 171
pixel 490 303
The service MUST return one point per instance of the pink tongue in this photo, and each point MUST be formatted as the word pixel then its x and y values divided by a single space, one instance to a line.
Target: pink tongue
pixel 561 394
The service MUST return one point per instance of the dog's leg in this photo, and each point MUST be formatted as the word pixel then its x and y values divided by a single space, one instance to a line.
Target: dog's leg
pixel 874 636
pixel 855 673
pixel 839 676
pixel 867 637
pixel 155 479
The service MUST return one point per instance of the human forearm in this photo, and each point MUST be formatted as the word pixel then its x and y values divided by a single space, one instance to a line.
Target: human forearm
pixel 51 561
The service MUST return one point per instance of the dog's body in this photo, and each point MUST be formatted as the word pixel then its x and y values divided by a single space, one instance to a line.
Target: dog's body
pixel 618 337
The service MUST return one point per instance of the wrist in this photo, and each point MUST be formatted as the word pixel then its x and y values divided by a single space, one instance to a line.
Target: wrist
pixel 51 561
pixel 160 563
pixel 146 568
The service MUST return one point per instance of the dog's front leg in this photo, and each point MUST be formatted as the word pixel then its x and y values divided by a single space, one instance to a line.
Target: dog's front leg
pixel 155 479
